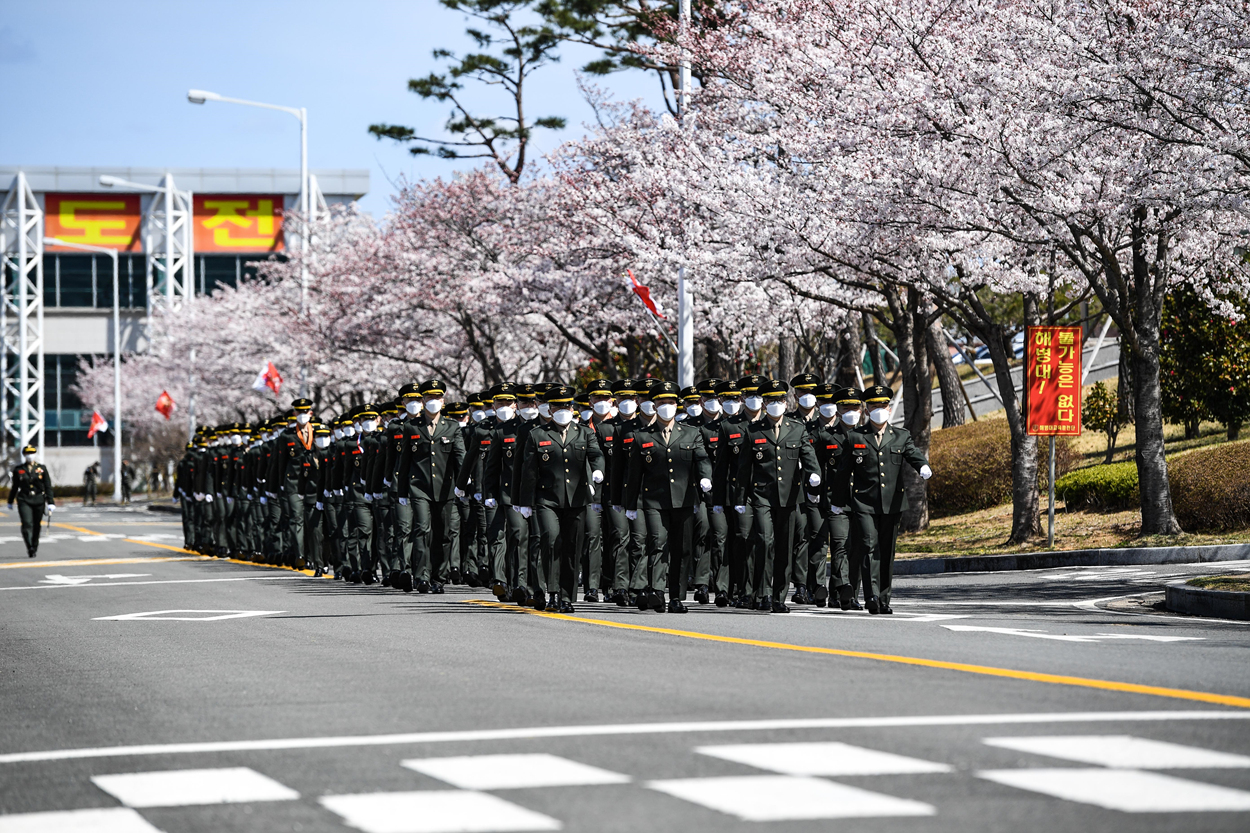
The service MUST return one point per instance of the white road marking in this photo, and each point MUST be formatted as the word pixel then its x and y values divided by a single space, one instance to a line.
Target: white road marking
pixel 820 759
pixel 156 536
pixel 1124 789
pixel 102 536
pixel 265 577
pixel 1122 752
pixel 109 820
pixel 200 616
pixel 618 729
pixel 59 579
pixel 898 617
pixel 785 797
pixel 435 811
pixel 188 787
pixel 510 772
pixel 1066 637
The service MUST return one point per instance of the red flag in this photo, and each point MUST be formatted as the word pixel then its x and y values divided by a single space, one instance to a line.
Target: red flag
pixel 645 294
pixel 268 378
pixel 165 404
pixel 98 424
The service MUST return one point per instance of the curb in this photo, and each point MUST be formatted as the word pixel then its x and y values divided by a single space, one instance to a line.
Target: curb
pixel 1220 604
pixel 1114 557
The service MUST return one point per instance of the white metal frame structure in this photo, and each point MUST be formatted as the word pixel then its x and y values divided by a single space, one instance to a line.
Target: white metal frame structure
pixel 21 316
pixel 169 245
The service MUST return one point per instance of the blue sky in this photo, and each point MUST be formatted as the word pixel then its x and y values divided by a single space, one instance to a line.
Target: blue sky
pixel 105 82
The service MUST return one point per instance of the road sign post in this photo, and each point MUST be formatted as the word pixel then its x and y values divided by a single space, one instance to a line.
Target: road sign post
pixel 1052 393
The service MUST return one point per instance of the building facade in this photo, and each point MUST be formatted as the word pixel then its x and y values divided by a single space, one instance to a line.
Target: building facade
pixel 178 233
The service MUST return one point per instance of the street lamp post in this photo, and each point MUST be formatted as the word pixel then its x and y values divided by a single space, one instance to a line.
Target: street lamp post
pixel 685 312
pixel 301 113
pixel 117 358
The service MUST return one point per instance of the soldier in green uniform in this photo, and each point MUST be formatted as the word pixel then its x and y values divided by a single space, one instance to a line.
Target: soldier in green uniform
pixel 30 486
pixel 776 464
pixel 809 559
pixel 830 437
pixel 558 477
pixel 878 498
pixel 711 573
pixel 601 535
pixel 668 472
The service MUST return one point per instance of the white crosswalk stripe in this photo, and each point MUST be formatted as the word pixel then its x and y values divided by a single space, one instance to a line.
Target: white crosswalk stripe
pixel 435 811
pixel 821 759
pixel 1130 791
pixel 180 788
pixel 509 772
pixel 788 798
pixel 1122 751
pixel 109 820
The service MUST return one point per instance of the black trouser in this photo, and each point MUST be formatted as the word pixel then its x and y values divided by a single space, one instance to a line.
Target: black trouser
pixel 293 516
pixel 878 536
pixel 312 532
pixel 560 537
pixel 711 569
pixel 810 556
pixel 435 535
pixel 592 550
pixel 740 547
pixel 670 546
pixel 31 515
pixel 776 525
pixel 844 556
pixel 615 530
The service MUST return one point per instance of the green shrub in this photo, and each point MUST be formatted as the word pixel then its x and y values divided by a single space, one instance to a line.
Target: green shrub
pixel 972 466
pixel 1100 487
pixel 1210 491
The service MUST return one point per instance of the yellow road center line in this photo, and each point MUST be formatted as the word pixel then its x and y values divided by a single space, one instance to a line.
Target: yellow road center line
pixel 986 670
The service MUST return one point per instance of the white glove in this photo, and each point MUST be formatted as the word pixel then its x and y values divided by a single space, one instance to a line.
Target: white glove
pixel 926 472
pixel 631 514
pixel 403 501
pixel 618 509
pixel 741 510
pixel 338 492
pixel 458 492
pixel 320 506
pixel 386 482
pixel 325 492
pixel 705 484
pixel 199 496
pixel 597 508
pixel 477 496
pixel 51 508
pixel 719 510
pixel 596 476
pixel 379 495
pixel 263 500
pixel 368 498
pixel 837 510
pixel 175 499
pixel 525 511
pixel 813 498
pixel 813 481
pixel 490 503
pixel 230 501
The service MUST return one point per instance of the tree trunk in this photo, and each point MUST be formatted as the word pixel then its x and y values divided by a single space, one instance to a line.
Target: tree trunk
pixel 851 358
pixel 785 357
pixel 917 405
pixel 1026 521
pixel 1127 410
pixel 1234 431
pixel 1157 517
pixel 953 402
pixel 875 357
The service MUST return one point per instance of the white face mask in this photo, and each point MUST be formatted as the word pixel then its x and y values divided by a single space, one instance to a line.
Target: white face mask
pixel 338 433
pixel 732 407
pixel 807 400
pixel 369 426
pixel 628 406
pixel 505 413
pixel 712 406
pixel 603 406
pixel 462 422
pixel 753 403
pixel 322 442
pixel 776 409
pixel 349 431
pixel 694 410
pixel 434 405
pixel 851 418
pixel 490 412
pixel 827 411
pixel 30 458
pixel 544 409
pixel 413 406
pixel 587 413
pixel 880 415
pixel 478 415
pixel 529 413
pixel 666 411
pixel 562 417
pixel 647 407
pixel 302 419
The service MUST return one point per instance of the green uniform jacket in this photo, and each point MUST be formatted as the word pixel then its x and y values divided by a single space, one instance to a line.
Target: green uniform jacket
pixel 773 468
pixel 730 442
pixel 832 442
pixel 432 458
pixel 556 472
pixel 622 446
pixel 30 484
pixel 502 449
pixel 479 437
pixel 877 472
pixel 666 476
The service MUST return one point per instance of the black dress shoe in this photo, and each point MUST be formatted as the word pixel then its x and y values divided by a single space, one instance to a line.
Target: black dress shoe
pixel 386 579
pixel 722 600
pixel 700 594
pixel 472 580
pixel 368 577
pixel 855 605
pixel 518 595
pixel 643 600
pixel 657 601
pixel 553 604
pixel 800 596
pixel 436 588
pixel 675 606
pixel 764 603
pixel 454 576
pixel 592 596
pixel 744 603
pixel 540 603
pixel 885 608
pixel 423 587
pixel 318 573
pixel 499 589
pixel 873 607
pixel 30 553
pixel 780 607
pixel 845 604
pixel 567 607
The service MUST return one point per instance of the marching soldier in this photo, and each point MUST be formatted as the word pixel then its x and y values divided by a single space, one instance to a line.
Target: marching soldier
pixel 294 450
pixel 668 472
pixel 602 531
pixel 561 467
pixel 711 573
pixel 878 498
pixel 775 465
pixel 808 556
pixel 432 457
pixel 31 488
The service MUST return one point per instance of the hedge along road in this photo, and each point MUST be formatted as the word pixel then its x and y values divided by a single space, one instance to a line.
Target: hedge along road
pixel 349 679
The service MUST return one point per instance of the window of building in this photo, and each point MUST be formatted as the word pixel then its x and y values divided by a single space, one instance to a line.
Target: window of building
pixel 65 419
pixel 214 271
pixel 74 280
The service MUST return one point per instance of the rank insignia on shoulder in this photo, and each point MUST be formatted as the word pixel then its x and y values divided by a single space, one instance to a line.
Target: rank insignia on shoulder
pixel 761 440
pixel 509 439
pixel 544 442
pixel 485 442
pixel 629 439
pixel 734 436
pixel 860 445
pixel 712 439
pixel 647 445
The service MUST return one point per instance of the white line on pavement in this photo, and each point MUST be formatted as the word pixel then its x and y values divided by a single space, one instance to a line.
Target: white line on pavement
pixel 472 735
pixel 1070 637
pixel 170 581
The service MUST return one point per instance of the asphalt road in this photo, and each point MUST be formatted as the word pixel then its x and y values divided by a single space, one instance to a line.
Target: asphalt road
pixel 145 689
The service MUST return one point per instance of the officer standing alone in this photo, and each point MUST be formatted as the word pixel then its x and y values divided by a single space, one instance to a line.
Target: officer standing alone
pixel 31 486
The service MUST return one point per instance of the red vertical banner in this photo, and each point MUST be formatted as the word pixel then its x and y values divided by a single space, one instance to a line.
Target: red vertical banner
pixel 1052 381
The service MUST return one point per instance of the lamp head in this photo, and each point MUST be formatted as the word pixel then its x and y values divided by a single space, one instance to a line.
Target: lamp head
pixel 200 96
pixel 109 181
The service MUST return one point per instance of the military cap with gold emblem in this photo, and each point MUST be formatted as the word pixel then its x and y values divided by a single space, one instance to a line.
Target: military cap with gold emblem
pixel 824 392
pixel 434 387
pixel 877 394
pixel 599 387
pixel 558 395
pixel 690 394
pixel 804 382
pixel 456 409
pixel 503 390
pixel 409 391
pixel 727 388
pixel 389 408
pixel 707 388
pixel 646 387
pixel 582 401
pixel 527 390
pixel 848 396
pixel 300 405
pixel 476 400
pixel 751 384
pixel 365 412
pixel 664 390
pixel 773 389
pixel 30 449
pixel 321 431
pixel 624 387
